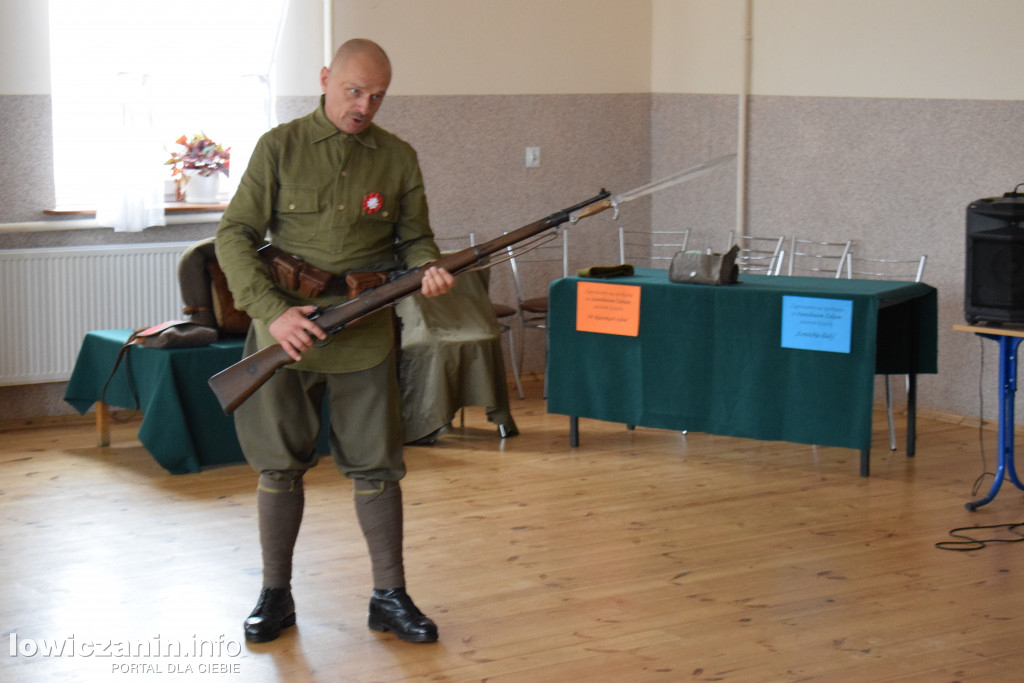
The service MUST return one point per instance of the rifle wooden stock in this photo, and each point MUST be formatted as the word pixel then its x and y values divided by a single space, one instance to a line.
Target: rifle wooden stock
pixel 235 384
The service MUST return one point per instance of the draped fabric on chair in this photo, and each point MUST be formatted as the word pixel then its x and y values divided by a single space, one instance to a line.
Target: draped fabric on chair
pixel 502 312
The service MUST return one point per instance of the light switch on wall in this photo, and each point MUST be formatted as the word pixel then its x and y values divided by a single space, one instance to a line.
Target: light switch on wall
pixel 533 157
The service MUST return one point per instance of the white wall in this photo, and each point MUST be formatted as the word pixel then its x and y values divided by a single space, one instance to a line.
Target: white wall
pixel 939 49
pixel 24 47
pixel 506 47
pixel 697 46
pixel 869 48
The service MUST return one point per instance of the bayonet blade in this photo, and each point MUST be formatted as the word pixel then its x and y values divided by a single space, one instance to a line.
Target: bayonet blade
pixel 614 201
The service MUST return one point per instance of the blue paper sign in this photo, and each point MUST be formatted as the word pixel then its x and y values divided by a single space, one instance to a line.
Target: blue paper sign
pixel 816 324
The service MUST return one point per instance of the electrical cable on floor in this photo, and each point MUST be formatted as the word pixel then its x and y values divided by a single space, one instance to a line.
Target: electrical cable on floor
pixel 970 543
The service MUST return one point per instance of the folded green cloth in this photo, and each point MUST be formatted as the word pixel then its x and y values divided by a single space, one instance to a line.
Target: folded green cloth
pixel 623 270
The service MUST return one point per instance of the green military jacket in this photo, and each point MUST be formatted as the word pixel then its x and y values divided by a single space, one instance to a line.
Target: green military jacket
pixel 340 202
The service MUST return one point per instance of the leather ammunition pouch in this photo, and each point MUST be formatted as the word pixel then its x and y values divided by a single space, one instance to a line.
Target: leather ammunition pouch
pixel 293 273
pixel 361 281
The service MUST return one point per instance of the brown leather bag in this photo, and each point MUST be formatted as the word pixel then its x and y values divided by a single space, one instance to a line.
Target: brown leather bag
pixel 695 267
pixel 228 318
pixel 293 273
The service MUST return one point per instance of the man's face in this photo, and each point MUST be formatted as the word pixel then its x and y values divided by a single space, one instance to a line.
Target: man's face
pixel 354 90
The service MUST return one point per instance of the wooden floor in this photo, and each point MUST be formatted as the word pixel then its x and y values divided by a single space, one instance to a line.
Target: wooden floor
pixel 644 555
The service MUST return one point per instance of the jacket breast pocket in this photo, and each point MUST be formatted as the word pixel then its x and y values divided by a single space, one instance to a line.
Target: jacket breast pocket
pixel 294 199
pixel 297 211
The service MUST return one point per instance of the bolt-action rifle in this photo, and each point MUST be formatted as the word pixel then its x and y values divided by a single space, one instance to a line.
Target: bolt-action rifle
pixel 235 384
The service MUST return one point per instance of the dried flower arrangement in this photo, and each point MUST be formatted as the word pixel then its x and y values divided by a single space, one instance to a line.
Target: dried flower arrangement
pixel 201 154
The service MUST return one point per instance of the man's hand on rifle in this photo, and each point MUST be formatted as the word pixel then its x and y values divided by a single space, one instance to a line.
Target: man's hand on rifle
pixel 436 281
pixel 292 330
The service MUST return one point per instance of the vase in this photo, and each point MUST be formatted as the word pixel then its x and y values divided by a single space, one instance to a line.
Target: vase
pixel 202 189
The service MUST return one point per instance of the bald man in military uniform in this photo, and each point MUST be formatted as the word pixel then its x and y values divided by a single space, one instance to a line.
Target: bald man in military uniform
pixel 343 195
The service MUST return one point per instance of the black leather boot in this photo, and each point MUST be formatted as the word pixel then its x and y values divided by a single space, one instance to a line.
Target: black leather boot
pixel 275 610
pixel 393 610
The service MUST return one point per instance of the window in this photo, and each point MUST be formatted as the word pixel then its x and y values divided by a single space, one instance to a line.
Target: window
pixel 131 76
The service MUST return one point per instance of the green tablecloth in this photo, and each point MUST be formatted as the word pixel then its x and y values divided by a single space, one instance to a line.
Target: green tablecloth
pixel 710 359
pixel 183 426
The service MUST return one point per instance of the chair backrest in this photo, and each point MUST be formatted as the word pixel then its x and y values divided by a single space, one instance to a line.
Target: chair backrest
pixel 817 258
pixel 885 268
pixel 535 263
pixel 758 254
pixel 653 248
pixel 204 289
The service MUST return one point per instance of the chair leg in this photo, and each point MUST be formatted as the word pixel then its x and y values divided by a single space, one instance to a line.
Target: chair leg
pixel 544 394
pixel 888 414
pixel 520 346
pixel 513 357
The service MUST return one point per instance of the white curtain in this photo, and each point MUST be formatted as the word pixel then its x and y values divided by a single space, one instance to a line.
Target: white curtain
pixel 130 197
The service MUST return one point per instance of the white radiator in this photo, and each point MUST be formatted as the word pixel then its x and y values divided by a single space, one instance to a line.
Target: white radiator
pixel 50 297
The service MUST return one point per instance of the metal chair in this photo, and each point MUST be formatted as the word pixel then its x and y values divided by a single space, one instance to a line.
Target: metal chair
pixel 761 255
pixel 886 269
pixel 535 263
pixel 654 247
pixel 814 258
pixel 503 313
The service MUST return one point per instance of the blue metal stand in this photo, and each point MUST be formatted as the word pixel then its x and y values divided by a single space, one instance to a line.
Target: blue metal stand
pixel 1007 391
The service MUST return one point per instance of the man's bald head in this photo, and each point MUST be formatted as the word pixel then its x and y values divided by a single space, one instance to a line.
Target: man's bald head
pixel 363 48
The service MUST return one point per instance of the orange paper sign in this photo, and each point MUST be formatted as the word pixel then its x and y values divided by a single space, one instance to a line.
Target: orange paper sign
pixel 608 309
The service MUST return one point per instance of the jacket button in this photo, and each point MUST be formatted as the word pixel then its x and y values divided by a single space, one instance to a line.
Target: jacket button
pixel 291 207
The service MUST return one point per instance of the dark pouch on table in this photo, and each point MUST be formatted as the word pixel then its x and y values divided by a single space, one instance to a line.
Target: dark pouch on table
pixel 174 334
pixel 621 270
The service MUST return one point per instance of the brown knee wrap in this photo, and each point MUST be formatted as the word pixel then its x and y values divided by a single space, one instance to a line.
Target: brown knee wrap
pixel 379 510
pixel 279 503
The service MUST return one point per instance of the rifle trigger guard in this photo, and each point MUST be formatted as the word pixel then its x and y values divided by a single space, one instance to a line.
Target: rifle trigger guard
pixel 615 208
pixel 322 342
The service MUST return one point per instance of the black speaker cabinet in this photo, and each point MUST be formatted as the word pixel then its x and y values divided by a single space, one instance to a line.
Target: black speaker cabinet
pixel 994 279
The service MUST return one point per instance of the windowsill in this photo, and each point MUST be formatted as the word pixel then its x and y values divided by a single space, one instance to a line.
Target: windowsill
pixel 169 207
